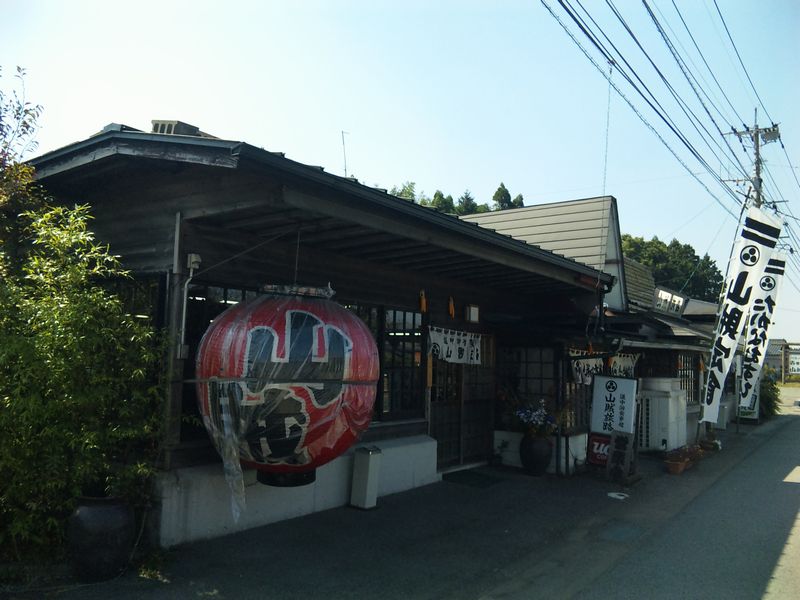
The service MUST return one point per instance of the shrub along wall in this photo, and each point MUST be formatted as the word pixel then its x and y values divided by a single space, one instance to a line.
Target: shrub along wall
pixel 79 403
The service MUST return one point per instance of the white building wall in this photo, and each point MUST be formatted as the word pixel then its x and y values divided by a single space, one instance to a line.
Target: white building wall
pixel 195 502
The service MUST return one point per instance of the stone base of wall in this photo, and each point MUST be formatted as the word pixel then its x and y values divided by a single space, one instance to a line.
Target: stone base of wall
pixel 195 502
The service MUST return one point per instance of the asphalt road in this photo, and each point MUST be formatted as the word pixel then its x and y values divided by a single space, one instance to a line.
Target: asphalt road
pixel 725 529
pixel 738 539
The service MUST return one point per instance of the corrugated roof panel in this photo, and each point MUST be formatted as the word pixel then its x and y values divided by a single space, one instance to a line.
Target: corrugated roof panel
pixel 577 229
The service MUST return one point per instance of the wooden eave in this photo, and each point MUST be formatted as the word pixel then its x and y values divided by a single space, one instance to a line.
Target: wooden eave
pixel 331 214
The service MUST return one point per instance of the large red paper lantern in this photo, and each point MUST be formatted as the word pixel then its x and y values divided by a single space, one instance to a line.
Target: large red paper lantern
pixel 290 379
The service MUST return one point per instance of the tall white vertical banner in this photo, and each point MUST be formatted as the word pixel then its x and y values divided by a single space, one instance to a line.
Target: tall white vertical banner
pixel 756 332
pixel 753 249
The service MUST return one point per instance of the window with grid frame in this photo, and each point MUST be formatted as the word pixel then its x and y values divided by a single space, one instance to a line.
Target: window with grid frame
pixel 400 339
pixel 204 302
pixel 534 369
pixel 529 372
pixel 689 374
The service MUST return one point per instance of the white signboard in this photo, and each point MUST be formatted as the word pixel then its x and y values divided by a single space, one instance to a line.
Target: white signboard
pixel 757 239
pixel 794 363
pixel 613 404
pixel 455 346
pixel 756 332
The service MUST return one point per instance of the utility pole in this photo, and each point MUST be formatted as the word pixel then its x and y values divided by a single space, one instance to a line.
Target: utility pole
pixel 784 361
pixel 758 135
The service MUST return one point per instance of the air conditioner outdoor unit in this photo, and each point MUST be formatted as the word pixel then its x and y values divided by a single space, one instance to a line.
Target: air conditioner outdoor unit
pixel 662 420
pixel 366 472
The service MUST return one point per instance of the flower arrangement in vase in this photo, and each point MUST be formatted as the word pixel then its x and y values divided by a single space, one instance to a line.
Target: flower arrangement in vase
pixel 536 421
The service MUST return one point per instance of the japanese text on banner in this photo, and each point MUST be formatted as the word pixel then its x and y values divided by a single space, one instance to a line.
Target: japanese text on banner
pixel 757 239
pixel 455 346
pixel 757 327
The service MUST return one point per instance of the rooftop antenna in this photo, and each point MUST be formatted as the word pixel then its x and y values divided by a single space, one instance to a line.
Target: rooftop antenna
pixel 344 152
pixel 608 123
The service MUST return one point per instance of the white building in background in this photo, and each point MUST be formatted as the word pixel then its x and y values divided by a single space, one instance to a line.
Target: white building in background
pixel 794 361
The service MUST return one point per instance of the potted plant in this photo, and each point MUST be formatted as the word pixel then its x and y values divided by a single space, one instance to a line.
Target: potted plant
pixel 535 448
pixel 710 443
pixel 695 452
pixel 677 461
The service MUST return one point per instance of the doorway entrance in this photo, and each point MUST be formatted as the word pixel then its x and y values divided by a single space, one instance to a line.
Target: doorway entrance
pixel 461 412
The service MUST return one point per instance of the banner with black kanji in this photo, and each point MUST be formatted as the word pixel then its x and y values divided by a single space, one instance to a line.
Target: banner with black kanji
pixel 757 239
pixel 757 328
pixel 454 346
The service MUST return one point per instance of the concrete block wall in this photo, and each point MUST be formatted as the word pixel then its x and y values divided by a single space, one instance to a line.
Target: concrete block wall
pixel 195 502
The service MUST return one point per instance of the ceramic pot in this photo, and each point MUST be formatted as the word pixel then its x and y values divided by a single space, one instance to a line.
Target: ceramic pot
pixel 535 454
pixel 100 536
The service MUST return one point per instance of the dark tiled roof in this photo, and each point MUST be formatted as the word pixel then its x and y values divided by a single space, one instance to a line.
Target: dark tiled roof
pixel 641 285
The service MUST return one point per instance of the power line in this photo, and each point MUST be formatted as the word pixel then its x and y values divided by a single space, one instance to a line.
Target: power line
pixel 794 285
pixel 775 186
pixel 755 91
pixel 684 69
pixel 659 110
pixel 693 119
pixel 703 58
pixel 713 102
pixel 700 260
pixel 735 49
pixel 636 111
pixel 791 168
pixel 713 20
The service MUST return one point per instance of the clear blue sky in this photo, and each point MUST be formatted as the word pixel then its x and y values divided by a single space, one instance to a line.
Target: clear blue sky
pixel 452 95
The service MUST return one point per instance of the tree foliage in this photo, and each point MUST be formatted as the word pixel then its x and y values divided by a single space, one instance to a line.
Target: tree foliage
pixel 18 119
pixel 79 403
pixel 502 198
pixel 676 266
pixel 466 204
pixel 443 203
pixel 407 191
pixel 18 122
pixel 769 394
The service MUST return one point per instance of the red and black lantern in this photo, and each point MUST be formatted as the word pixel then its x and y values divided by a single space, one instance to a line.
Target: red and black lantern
pixel 291 379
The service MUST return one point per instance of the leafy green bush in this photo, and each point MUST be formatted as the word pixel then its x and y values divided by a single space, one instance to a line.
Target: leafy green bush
pixel 79 407
pixel 769 400
pixel 79 404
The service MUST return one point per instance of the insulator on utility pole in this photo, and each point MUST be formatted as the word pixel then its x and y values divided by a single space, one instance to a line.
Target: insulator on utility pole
pixel 758 135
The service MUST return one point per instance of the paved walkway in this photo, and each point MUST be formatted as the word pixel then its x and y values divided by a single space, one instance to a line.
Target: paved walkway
pixel 481 533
